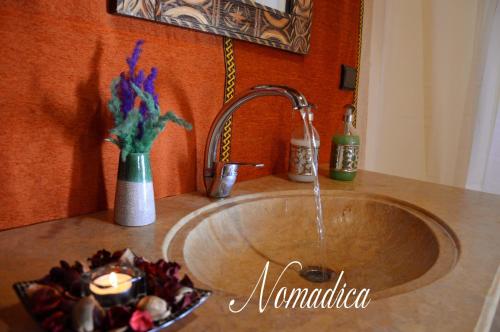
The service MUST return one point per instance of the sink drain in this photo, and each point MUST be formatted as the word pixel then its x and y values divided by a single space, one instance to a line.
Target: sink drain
pixel 316 274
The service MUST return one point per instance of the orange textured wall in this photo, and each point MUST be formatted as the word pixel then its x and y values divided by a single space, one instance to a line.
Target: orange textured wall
pixel 56 63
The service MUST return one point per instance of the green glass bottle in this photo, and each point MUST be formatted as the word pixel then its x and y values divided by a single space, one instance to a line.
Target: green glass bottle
pixel 345 150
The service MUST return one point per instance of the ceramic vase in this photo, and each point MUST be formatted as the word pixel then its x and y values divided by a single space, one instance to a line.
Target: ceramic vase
pixel 134 198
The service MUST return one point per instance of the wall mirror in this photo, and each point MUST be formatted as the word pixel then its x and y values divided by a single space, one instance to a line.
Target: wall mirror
pixel 284 24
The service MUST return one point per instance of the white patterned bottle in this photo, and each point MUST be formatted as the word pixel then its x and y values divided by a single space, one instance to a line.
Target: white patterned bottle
pixel 300 167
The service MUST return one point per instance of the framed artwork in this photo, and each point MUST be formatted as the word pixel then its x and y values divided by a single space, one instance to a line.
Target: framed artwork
pixel 283 24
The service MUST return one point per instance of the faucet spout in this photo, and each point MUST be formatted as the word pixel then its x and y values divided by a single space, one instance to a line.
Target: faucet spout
pixel 214 175
pixel 297 99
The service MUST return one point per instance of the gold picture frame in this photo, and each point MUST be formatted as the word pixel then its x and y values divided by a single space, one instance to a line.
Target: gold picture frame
pixel 240 19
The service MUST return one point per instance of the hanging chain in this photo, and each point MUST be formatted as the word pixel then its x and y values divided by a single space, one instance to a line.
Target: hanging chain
pixel 360 45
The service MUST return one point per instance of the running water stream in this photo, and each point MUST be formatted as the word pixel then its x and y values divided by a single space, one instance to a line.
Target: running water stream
pixel 308 126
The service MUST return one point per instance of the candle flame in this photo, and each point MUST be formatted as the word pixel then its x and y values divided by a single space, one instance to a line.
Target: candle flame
pixel 113 280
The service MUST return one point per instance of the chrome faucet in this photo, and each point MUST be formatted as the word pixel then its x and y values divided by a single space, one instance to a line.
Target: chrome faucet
pixel 219 177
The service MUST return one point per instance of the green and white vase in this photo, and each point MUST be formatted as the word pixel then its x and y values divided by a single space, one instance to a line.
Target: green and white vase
pixel 135 199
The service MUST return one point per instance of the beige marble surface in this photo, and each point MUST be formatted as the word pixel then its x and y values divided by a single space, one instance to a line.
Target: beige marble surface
pixel 452 303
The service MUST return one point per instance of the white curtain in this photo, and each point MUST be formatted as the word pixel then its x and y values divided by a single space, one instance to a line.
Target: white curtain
pixel 484 170
pixel 424 73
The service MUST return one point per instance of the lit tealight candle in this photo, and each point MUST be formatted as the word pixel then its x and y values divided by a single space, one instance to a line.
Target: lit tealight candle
pixel 111 284
pixel 114 284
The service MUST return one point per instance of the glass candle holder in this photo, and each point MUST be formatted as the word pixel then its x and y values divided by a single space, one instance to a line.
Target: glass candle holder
pixel 115 284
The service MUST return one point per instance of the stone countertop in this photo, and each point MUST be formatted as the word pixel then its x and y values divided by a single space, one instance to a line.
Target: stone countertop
pixel 465 297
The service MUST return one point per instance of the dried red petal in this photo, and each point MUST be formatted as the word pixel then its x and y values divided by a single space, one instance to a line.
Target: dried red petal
pixel 117 317
pixel 55 322
pixel 141 321
pixel 167 291
pixel 44 300
pixel 186 282
pixel 67 303
pixel 66 276
pixel 101 258
pixel 117 255
pixel 188 299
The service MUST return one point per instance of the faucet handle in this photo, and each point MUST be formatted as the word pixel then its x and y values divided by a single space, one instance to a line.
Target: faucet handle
pixel 257 165
pixel 230 168
pixel 223 177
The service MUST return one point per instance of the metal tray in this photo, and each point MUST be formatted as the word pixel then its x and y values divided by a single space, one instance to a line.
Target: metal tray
pixel 20 288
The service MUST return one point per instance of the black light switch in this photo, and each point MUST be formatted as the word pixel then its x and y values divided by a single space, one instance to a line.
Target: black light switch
pixel 348 77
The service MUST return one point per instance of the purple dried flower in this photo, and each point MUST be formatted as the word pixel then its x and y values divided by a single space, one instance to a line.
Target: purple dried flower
pixel 132 61
pixel 139 79
pixel 127 95
pixel 149 87
pixel 140 129
pixel 143 109
pixel 149 120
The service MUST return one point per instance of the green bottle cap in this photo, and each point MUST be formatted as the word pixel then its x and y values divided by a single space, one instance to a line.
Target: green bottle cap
pixel 346 139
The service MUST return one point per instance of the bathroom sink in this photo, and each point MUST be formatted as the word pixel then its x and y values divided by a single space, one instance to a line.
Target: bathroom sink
pixel 380 243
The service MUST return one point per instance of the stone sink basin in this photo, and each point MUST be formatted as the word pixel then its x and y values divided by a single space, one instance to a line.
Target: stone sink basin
pixel 380 243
